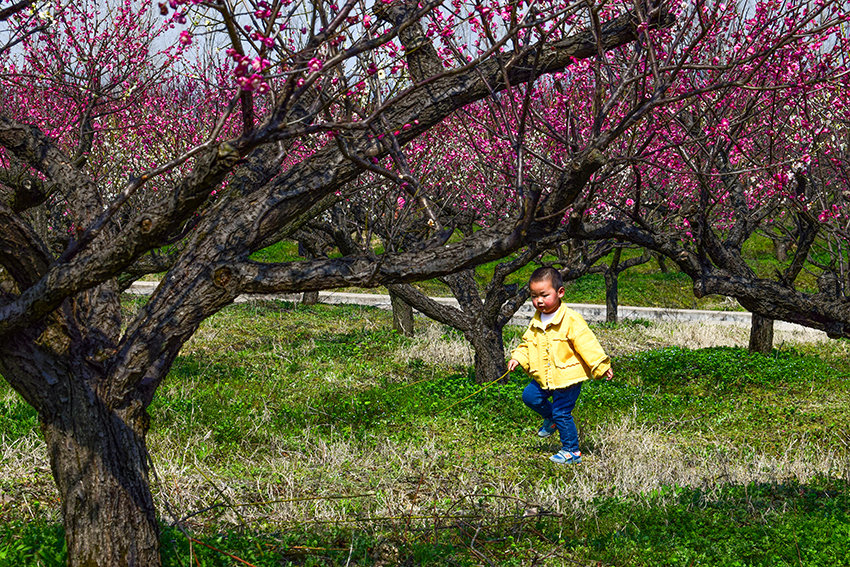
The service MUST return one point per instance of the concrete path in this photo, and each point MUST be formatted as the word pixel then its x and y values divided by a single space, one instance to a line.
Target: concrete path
pixel 593 313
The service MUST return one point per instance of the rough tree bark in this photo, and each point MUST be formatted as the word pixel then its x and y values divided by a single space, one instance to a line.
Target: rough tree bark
pixel 95 434
pixel 761 334
pixel 402 315
pixel 489 359
pixel 99 460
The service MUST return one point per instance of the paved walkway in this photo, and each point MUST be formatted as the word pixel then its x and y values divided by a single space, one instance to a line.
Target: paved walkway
pixel 593 313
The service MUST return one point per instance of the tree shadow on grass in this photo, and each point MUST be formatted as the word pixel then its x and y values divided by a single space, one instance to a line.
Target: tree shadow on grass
pixel 782 523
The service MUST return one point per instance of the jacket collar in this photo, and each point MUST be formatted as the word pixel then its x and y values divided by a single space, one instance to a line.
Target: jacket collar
pixel 556 320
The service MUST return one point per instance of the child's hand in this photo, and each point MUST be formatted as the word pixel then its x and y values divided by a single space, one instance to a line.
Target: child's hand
pixel 609 374
pixel 512 364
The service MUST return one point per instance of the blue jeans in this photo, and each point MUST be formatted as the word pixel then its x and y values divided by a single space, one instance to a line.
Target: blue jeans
pixel 560 409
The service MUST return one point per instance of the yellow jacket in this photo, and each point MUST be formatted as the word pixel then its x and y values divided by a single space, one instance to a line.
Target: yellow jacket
pixel 566 352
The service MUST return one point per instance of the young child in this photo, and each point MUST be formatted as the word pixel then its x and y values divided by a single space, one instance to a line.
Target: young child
pixel 560 352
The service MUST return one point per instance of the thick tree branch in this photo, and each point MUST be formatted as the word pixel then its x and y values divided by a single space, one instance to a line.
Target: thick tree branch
pixel 29 145
pixel 445 314
pixel 776 301
pixel 22 252
pixel 369 271
pixel 16 8
pixel 768 298
pixel 101 262
pixel 417 111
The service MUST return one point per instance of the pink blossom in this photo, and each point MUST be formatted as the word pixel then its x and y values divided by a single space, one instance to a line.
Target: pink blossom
pixel 252 83
pixel 260 64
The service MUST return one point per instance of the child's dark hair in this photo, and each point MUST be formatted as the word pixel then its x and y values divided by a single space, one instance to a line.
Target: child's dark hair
pixel 547 273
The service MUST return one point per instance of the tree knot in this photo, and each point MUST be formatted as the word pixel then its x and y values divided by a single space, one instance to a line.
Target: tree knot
pixel 222 277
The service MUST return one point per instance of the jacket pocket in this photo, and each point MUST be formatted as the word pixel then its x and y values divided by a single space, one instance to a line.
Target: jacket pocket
pixel 563 354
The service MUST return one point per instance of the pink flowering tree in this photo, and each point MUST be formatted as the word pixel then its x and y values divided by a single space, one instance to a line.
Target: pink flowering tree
pixel 483 310
pixel 95 83
pixel 190 163
pixel 721 66
pixel 461 176
pixel 760 154
pixel 123 156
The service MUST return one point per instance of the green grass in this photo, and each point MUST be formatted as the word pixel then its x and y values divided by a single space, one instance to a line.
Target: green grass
pixel 757 524
pixel 32 543
pixel 766 525
pixel 432 466
pixel 283 251
pixel 16 418
pixel 749 398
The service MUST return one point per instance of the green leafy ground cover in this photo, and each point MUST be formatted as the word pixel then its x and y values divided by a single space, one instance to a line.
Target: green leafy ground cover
pixel 292 435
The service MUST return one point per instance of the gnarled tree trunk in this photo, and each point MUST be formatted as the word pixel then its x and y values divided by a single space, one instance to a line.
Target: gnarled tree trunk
pixel 100 464
pixel 95 431
pixel 489 352
pixel 480 321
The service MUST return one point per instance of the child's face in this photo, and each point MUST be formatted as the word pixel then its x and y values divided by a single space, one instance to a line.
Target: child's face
pixel 544 297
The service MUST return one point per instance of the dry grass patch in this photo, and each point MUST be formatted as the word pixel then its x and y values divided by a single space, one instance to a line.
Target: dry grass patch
pixel 324 477
pixel 632 459
pixel 27 490
pixel 630 338
pixel 432 345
